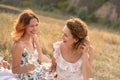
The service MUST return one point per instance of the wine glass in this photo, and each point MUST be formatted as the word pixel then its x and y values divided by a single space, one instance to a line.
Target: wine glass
pixel 1 66
pixel 1 58
pixel 46 65
pixel 48 74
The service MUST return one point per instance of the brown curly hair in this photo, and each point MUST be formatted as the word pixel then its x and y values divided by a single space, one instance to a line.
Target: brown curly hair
pixel 79 31
pixel 21 23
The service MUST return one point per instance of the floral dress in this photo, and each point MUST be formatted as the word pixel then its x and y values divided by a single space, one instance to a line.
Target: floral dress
pixel 31 75
pixel 65 69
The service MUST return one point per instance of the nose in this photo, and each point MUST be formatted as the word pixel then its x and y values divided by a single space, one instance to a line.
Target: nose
pixel 35 27
pixel 63 37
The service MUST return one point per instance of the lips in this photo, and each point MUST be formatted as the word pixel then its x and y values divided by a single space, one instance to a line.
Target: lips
pixel 64 41
pixel 33 32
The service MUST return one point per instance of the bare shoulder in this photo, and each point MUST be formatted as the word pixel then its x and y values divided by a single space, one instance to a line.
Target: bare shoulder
pixel 17 44
pixel 17 47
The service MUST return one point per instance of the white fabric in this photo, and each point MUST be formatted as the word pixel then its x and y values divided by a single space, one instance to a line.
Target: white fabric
pixel 6 74
pixel 1 58
pixel 66 70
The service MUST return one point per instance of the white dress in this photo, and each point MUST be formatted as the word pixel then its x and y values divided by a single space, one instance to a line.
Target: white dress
pixel 6 74
pixel 64 69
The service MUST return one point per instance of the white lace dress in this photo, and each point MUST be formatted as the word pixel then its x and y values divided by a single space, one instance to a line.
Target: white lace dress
pixel 64 69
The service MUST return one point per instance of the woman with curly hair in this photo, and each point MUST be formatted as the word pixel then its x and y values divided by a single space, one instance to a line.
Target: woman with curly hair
pixel 73 56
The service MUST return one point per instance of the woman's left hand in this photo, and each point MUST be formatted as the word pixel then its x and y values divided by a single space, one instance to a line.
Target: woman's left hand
pixel 85 52
pixel 6 65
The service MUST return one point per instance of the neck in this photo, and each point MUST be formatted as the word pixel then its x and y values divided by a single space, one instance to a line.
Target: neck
pixel 27 38
pixel 69 47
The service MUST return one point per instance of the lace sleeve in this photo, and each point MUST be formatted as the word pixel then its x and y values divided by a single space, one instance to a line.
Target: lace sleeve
pixel 56 45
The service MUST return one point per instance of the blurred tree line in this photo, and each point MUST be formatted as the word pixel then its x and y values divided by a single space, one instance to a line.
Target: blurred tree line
pixel 84 9
pixel 69 6
pixel 76 7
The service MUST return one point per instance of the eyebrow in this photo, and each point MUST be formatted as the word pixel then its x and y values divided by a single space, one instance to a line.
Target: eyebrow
pixel 65 34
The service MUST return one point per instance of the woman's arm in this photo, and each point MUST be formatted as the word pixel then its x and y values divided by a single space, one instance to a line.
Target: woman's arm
pixel 53 66
pixel 16 60
pixel 91 55
pixel 41 56
pixel 87 62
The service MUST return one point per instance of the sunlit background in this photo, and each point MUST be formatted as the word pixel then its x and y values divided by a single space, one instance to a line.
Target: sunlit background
pixel 101 16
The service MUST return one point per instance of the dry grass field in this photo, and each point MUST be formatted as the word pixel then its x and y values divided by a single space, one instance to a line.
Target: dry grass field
pixel 106 44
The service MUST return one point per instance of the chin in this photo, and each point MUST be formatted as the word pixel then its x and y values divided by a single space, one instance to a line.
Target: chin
pixel 64 42
pixel 33 32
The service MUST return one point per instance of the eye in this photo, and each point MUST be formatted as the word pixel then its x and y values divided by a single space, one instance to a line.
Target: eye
pixel 32 26
pixel 36 25
pixel 65 35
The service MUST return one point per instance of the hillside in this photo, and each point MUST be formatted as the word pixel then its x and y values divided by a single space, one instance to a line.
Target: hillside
pixel 106 43
pixel 110 11
pixel 109 7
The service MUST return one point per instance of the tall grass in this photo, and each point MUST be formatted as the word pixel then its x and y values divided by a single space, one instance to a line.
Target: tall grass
pixel 107 57
pixel 106 44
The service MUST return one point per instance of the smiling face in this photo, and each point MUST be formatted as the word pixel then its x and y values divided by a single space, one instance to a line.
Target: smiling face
pixel 67 37
pixel 32 27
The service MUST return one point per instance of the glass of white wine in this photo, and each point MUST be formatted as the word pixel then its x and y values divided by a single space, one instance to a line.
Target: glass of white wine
pixel 46 65
pixel 1 58
pixel 1 66
pixel 48 74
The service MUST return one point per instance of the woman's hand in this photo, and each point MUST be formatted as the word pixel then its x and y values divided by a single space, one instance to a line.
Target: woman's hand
pixel 86 68
pixel 31 67
pixel 6 65
pixel 85 52
pixel 1 64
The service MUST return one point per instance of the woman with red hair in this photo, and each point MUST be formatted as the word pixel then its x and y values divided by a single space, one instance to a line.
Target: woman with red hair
pixel 26 47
